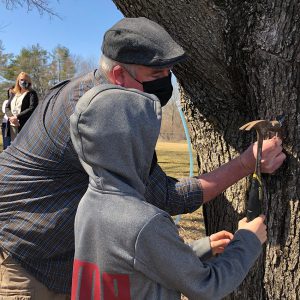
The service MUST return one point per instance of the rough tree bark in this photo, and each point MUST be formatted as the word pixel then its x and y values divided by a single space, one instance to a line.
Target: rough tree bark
pixel 243 65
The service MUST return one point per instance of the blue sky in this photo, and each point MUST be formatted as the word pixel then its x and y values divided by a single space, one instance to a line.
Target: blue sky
pixel 80 30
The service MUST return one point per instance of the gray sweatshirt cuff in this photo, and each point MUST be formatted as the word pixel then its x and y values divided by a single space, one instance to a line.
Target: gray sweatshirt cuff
pixel 202 248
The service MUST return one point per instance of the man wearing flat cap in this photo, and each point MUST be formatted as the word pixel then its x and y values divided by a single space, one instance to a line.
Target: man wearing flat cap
pixel 42 179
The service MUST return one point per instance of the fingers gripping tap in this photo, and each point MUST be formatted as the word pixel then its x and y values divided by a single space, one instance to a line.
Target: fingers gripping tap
pixel 262 127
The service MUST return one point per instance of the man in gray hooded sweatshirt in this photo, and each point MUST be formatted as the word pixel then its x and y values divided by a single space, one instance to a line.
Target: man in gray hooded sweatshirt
pixel 126 248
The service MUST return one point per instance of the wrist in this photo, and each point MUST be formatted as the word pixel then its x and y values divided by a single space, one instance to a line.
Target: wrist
pixel 245 164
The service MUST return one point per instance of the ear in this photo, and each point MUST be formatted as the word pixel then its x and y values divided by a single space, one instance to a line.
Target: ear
pixel 117 75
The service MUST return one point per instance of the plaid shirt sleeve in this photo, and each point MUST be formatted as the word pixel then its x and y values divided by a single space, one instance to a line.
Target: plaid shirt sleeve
pixel 174 196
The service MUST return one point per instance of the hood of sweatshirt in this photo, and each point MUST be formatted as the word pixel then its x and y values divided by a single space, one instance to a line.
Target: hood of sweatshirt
pixel 114 130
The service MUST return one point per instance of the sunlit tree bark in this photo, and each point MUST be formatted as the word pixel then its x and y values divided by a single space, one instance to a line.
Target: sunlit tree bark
pixel 243 65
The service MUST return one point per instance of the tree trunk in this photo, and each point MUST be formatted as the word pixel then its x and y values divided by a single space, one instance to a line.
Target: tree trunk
pixel 243 65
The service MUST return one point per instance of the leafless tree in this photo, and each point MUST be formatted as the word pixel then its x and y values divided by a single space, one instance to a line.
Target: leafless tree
pixel 243 64
pixel 41 5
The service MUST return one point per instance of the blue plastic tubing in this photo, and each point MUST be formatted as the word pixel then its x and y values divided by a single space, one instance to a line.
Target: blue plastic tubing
pixel 188 139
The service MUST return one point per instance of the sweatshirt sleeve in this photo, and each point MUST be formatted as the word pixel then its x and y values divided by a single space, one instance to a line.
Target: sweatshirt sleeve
pixel 162 256
pixel 171 195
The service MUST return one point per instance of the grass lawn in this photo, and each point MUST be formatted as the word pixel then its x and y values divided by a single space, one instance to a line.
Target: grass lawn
pixel 173 157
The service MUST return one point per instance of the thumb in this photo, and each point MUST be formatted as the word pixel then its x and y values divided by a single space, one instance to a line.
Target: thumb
pixel 243 221
pixel 260 219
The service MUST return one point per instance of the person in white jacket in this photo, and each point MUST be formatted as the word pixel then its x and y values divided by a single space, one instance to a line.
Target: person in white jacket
pixel 5 122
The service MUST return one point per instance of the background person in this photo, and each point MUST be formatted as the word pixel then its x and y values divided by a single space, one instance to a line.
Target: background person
pixel 5 122
pixel 20 107
pixel 42 180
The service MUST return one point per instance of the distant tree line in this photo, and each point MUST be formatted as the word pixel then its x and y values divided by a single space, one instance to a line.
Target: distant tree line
pixel 48 68
pixel 171 126
pixel 45 68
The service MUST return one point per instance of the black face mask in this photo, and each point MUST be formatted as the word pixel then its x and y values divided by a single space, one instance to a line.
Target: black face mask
pixel 162 88
pixel 23 84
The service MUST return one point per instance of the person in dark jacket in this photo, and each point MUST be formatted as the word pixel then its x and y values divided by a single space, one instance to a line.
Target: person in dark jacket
pixel 21 104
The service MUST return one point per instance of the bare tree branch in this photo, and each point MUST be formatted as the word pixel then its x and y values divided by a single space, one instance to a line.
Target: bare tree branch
pixel 2 27
pixel 42 6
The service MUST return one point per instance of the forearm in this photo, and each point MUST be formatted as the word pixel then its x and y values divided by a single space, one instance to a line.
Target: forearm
pixel 186 195
pixel 183 270
pixel 171 195
pixel 215 182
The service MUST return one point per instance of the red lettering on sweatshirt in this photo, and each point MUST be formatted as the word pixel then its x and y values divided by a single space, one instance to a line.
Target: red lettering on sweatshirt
pixel 116 286
pixel 86 283
pixel 89 281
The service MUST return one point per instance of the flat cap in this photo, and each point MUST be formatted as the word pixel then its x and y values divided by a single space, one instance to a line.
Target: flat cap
pixel 141 41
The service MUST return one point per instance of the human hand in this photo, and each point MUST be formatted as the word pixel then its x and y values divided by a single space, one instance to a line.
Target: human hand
pixel 14 121
pixel 271 159
pixel 257 226
pixel 219 240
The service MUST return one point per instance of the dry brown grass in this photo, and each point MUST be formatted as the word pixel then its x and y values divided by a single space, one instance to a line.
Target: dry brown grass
pixel 174 160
